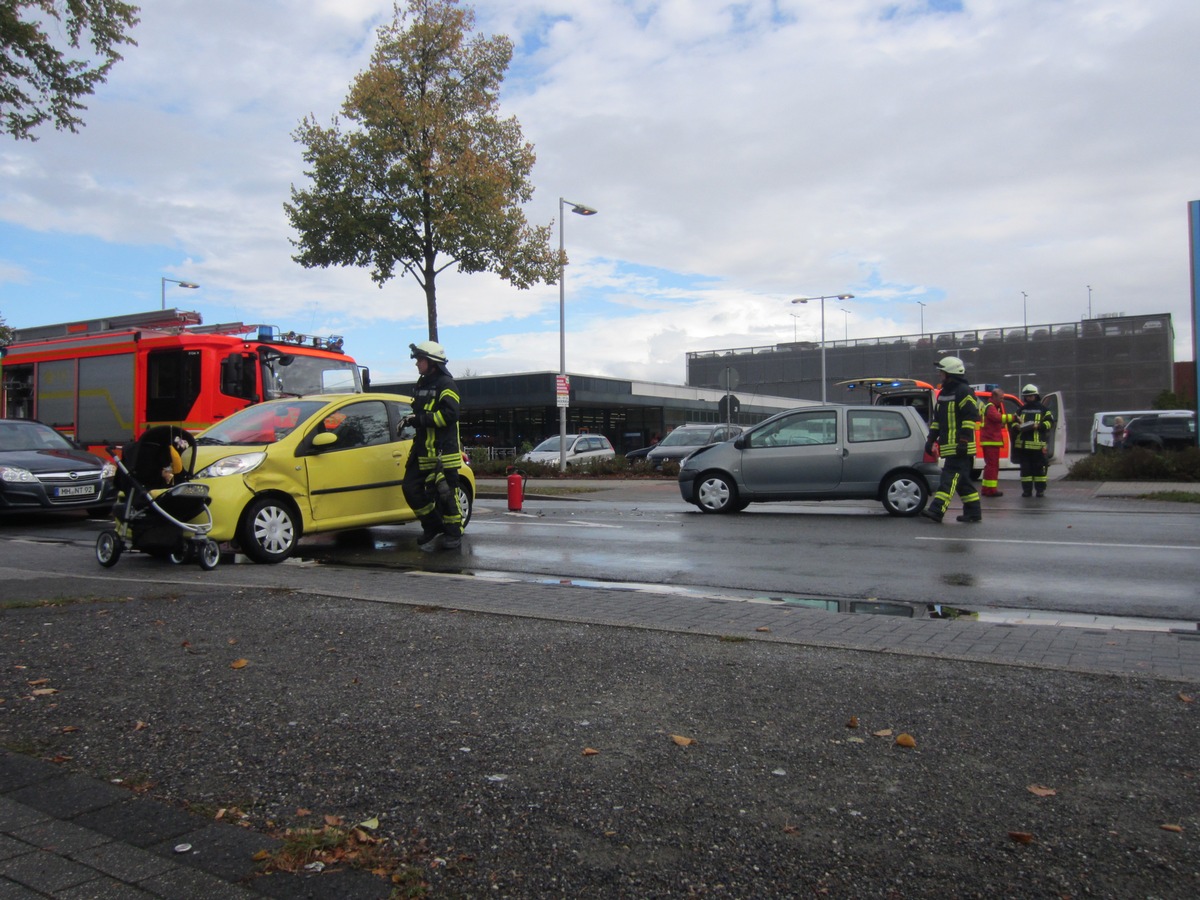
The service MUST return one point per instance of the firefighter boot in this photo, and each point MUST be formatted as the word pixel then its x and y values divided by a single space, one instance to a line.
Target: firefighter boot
pixel 431 533
pixel 933 513
pixel 972 512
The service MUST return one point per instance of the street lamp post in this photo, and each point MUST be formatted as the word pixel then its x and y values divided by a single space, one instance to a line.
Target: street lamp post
pixel 183 284
pixel 795 334
pixel 1025 312
pixel 921 304
pixel 823 299
pixel 1020 376
pixel 579 209
pixel 846 325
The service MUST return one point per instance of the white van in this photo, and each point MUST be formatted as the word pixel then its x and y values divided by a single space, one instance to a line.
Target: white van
pixel 1102 424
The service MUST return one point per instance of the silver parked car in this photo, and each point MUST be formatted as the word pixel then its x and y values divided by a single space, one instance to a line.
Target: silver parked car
pixel 828 452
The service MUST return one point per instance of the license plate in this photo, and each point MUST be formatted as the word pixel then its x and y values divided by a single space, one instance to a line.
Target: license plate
pixel 77 490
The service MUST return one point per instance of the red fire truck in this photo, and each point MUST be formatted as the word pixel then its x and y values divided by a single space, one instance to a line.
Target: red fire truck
pixel 922 395
pixel 105 381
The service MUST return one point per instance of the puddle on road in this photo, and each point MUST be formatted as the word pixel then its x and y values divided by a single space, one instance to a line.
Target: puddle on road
pixel 377 552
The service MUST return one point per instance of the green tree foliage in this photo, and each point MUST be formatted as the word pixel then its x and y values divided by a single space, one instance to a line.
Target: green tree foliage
pixel 1170 400
pixel 429 176
pixel 38 83
pixel 6 333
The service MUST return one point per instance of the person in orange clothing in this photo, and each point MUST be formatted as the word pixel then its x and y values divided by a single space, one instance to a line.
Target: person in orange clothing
pixel 991 439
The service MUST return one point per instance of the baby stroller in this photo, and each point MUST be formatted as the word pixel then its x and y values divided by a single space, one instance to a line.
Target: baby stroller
pixel 158 500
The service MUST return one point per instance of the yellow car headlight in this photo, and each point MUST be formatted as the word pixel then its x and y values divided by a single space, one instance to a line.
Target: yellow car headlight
pixel 238 464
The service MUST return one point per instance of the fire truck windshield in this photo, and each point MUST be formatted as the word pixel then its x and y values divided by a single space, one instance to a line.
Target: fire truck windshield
pixel 296 375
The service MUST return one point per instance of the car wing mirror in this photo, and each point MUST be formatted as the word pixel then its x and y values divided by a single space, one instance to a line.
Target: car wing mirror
pixel 740 442
pixel 324 439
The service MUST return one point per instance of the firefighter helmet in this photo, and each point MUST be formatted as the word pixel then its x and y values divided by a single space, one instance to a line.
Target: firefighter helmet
pixel 952 365
pixel 1030 390
pixel 428 350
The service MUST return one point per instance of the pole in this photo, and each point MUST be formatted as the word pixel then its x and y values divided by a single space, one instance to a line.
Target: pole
pixel 562 339
pixel 823 380
pixel 581 210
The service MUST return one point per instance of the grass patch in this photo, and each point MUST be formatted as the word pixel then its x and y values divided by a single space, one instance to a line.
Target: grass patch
pixel 1172 496
pixel 1138 464
pixel 336 845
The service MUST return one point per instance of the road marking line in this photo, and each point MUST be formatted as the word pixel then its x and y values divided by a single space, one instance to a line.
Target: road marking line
pixel 1192 549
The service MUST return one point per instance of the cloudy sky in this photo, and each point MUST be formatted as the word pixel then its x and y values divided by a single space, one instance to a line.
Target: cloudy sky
pixel 991 159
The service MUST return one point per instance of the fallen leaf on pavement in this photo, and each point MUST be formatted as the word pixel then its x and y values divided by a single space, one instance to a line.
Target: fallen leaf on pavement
pixel 1186 698
pixel 763 628
pixel 239 664
pixel 906 740
pixel 853 723
pixel 885 732
pixel 590 751
pixel 1040 791
pixel 1178 829
pixel 682 741
pixel 1021 837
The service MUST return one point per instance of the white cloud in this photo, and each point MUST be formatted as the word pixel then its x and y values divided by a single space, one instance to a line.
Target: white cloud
pixel 739 153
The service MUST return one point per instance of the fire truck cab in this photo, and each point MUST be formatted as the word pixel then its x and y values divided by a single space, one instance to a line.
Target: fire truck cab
pixel 103 382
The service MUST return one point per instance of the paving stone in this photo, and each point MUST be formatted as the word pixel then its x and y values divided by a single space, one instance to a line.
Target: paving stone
pixel 222 850
pixel 69 795
pixel 15 816
pixel 140 822
pixel 130 864
pixel 46 872
pixel 18 771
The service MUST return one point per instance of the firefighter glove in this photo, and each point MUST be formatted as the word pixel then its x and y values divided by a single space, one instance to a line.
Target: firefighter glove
pixel 929 445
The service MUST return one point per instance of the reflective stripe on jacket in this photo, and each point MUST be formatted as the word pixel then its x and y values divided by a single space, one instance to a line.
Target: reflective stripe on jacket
pixel 436 409
pixel 994 421
pixel 956 417
pixel 1040 420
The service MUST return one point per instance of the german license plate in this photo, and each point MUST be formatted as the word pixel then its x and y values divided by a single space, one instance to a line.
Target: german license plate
pixel 75 490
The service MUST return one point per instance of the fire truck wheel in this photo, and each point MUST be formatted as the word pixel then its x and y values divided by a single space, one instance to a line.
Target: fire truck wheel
pixel 108 548
pixel 269 530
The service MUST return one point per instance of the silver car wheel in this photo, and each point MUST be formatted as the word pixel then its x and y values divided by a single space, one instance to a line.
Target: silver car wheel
pixel 716 494
pixel 904 495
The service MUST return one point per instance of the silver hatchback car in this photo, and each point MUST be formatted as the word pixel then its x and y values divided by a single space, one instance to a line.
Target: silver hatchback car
pixel 831 452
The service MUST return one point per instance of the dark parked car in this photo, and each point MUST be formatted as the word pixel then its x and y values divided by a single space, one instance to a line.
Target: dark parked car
pixel 817 453
pixel 41 470
pixel 687 438
pixel 1167 431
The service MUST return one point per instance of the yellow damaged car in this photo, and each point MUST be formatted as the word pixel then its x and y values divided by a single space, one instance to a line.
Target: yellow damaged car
pixel 329 462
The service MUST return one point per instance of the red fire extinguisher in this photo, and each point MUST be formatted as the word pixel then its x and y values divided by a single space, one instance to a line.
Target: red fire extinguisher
pixel 516 488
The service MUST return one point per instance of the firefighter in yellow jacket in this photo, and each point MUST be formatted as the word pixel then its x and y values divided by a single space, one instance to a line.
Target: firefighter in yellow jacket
pixel 1031 430
pixel 431 473
pixel 954 425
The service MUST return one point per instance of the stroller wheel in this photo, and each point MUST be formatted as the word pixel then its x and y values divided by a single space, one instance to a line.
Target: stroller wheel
pixel 210 555
pixel 182 554
pixel 108 548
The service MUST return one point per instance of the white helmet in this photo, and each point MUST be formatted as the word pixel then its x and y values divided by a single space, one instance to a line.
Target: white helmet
pixel 952 365
pixel 1029 390
pixel 428 350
